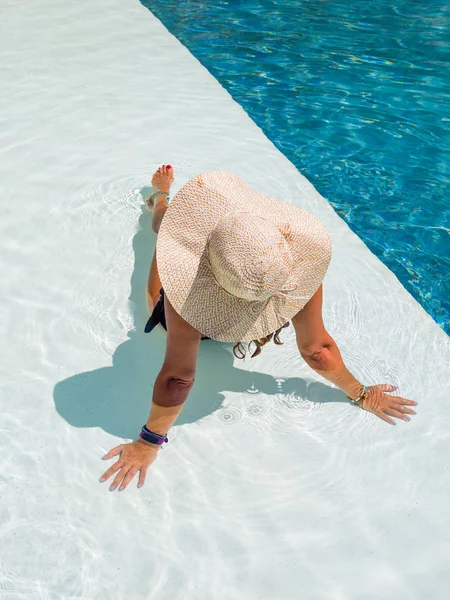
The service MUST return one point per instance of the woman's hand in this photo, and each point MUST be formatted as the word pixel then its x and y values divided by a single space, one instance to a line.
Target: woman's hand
pixel 385 406
pixel 134 457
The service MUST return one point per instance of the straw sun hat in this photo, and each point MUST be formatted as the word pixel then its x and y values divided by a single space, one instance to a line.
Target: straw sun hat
pixel 237 264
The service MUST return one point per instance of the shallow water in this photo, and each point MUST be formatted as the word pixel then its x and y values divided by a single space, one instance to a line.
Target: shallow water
pixel 358 98
pixel 271 482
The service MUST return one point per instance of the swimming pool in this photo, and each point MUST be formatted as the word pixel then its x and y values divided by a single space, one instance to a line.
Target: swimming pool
pixel 272 482
pixel 357 97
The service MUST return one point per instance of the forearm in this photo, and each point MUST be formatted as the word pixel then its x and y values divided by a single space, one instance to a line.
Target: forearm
pixel 327 361
pixel 169 395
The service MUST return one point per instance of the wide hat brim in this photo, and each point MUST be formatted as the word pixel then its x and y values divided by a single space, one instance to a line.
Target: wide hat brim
pixel 185 271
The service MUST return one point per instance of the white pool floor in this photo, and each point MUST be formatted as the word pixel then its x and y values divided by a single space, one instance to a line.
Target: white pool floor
pixel 272 487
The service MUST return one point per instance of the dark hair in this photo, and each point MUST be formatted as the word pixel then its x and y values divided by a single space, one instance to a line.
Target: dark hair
pixel 240 352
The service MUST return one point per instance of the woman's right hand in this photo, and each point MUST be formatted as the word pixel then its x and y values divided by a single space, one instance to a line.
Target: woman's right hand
pixel 133 457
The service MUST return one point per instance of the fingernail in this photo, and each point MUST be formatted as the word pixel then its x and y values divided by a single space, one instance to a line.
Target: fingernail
pixel 103 457
pixel 408 418
pixel 111 488
pixel 394 423
pixel 102 479
pixel 169 166
pixel 121 488
pixel 140 485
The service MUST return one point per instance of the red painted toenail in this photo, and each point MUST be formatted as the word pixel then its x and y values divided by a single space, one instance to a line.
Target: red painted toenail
pixel 169 167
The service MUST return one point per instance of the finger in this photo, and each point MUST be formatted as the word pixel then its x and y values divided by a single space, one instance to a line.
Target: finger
pixel 129 476
pixel 385 418
pixel 114 452
pixel 396 413
pixel 142 475
pixel 403 409
pixel 118 478
pixel 386 387
pixel 405 401
pixel 107 474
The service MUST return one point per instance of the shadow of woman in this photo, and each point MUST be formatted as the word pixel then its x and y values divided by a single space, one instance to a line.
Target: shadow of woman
pixel 118 398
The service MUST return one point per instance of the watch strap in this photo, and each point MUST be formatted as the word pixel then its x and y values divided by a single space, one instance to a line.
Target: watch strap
pixel 152 437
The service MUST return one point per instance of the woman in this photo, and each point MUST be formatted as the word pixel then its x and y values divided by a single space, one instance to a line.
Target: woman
pixel 237 266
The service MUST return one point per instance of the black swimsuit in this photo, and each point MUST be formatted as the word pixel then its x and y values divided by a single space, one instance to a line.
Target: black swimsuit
pixel 158 316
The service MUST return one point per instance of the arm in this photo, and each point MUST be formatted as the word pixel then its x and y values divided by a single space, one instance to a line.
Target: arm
pixel 176 378
pixel 172 386
pixel 320 352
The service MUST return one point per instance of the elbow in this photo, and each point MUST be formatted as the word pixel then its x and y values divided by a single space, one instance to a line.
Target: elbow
pixel 177 377
pixel 178 389
pixel 314 346
pixel 181 382
pixel 173 391
pixel 320 357
pixel 313 351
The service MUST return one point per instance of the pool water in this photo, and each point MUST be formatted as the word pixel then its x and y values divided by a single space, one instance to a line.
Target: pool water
pixel 357 97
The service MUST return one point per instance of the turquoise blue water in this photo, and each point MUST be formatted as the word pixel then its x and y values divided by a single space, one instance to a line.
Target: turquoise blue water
pixel 356 94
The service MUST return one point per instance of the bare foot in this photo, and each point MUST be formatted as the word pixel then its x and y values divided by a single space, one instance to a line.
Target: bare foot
pixel 161 181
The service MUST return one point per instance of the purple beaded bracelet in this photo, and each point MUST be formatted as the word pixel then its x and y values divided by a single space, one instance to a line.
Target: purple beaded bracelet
pixel 152 437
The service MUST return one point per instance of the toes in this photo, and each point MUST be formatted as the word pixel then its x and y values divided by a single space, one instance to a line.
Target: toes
pixel 165 170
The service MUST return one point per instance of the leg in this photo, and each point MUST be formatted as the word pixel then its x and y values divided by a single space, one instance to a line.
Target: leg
pixel 161 180
pixel 153 285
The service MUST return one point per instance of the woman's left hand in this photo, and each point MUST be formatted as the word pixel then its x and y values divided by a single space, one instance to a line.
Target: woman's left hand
pixel 385 406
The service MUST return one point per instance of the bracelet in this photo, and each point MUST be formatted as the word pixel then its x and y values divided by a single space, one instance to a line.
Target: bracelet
pixel 153 196
pixel 360 399
pixel 152 437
